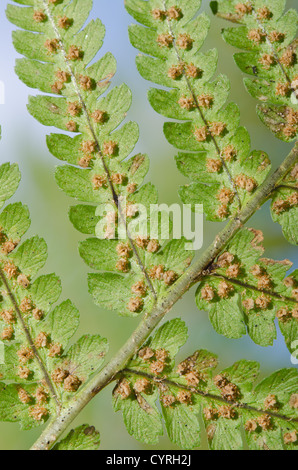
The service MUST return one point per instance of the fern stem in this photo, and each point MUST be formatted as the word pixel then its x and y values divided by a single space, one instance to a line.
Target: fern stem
pixel 99 151
pixel 29 339
pixel 59 424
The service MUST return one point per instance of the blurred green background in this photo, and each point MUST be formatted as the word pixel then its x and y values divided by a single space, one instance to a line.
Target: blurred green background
pixel 23 141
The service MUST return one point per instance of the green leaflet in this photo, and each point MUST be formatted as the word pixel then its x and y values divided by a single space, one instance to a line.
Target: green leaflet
pixel 26 21
pixel 269 38
pixel 31 256
pixel 141 10
pixel 284 206
pixel 141 417
pixel 99 169
pixel 9 181
pixel 83 218
pixel 84 437
pixel 182 425
pixel 288 218
pixel 63 322
pixel 114 290
pixel 245 291
pixel 229 401
pixel 67 149
pixel 86 356
pixel 45 291
pixel 171 336
pixel 13 410
pixel 223 170
pixel 227 318
pixel 15 221
pixel 42 371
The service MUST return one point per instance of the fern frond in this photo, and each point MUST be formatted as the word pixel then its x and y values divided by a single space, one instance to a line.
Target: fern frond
pixel 171 67
pixel 217 158
pixel 230 403
pixel 268 35
pixel 39 371
pixel 243 291
pixel 135 271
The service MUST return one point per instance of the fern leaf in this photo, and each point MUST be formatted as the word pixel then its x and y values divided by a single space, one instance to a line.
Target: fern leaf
pixel 268 37
pixel 217 157
pixel 141 416
pixel 284 208
pixel 84 437
pixel 232 406
pixel 99 168
pixel 9 181
pixel 40 371
pixel 114 291
pixel 245 292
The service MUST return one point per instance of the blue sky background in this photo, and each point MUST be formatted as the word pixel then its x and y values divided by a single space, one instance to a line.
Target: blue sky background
pixel 23 141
